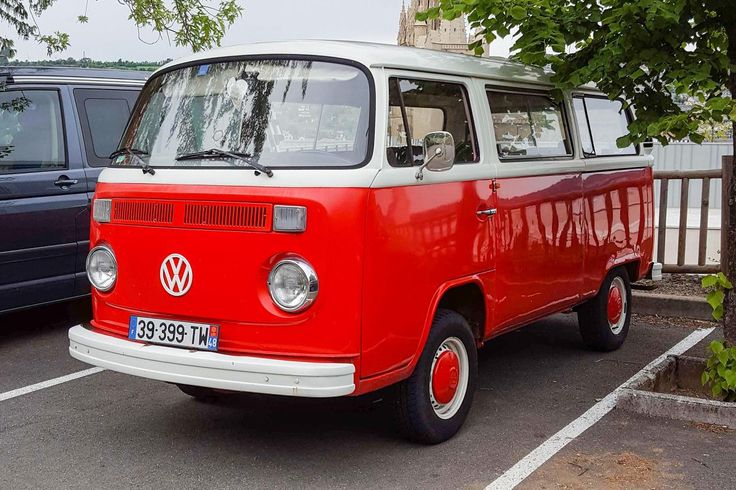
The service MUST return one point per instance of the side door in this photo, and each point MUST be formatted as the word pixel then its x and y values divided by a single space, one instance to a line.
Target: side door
pixel 42 193
pixel 425 234
pixel 103 115
pixel 540 222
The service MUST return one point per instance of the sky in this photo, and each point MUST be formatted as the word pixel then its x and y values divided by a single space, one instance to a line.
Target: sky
pixel 109 35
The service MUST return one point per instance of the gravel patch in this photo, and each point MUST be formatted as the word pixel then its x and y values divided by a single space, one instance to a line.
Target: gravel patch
pixel 676 284
pixel 666 321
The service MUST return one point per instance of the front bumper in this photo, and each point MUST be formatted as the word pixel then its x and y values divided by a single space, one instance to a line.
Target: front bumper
pixel 212 369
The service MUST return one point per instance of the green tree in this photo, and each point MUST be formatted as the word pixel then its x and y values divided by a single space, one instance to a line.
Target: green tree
pixel 643 52
pixel 194 23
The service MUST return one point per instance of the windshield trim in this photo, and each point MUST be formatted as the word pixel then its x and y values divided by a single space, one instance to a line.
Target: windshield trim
pixel 370 147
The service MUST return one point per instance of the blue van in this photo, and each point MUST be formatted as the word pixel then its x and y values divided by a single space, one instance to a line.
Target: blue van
pixel 57 128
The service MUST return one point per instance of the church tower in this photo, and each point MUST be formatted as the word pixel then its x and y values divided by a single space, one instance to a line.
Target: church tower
pixel 439 34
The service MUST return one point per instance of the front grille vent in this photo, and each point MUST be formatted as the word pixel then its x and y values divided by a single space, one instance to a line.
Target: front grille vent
pixel 211 215
pixel 234 216
pixel 141 211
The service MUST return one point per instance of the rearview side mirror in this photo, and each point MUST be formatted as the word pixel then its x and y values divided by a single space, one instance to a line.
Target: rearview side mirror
pixel 439 153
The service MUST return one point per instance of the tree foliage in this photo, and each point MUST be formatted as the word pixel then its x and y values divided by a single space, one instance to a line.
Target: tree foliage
pixel 193 23
pixel 642 52
pixel 120 64
pixel 649 53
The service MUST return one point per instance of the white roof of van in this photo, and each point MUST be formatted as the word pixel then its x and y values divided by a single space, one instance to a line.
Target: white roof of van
pixel 383 55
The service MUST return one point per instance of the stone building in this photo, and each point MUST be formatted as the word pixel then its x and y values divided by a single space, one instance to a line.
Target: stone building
pixel 439 34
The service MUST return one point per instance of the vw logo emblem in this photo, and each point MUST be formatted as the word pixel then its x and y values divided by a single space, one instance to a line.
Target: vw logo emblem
pixel 176 275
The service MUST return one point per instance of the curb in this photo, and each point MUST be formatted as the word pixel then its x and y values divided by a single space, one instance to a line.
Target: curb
pixel 639 397
pixel 678 407
pixel 671 305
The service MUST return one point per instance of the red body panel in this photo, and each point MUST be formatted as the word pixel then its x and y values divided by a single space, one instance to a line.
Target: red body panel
pixel 418 239
pixel 384 258
pixel 558 236
pixel 539 236
pixel 619 215
pixel 231 267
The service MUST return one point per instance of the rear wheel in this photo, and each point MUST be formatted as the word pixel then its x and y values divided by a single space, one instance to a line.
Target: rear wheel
pixel 434 401
pixel 604 320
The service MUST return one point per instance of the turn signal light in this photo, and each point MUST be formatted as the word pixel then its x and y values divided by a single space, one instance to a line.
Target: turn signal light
pixel 101 209
pixel 291 219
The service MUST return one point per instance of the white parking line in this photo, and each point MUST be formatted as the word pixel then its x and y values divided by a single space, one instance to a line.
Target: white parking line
pixel 48 383
pixel 525 467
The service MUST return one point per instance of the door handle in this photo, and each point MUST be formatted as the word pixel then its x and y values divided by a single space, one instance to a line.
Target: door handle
pixel 486 212
pixel 65 181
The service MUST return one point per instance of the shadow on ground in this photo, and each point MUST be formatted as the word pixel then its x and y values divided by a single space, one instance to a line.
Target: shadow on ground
pixel 33 321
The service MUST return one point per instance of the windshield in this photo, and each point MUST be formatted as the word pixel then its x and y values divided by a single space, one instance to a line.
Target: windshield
pixel 277 112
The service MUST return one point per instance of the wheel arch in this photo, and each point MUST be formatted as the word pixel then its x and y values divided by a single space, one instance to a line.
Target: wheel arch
pixel 478 323
pixel 631 263
pixel 468 300
pixel 452 295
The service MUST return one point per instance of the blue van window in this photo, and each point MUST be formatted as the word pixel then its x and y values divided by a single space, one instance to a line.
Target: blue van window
pixel 107 119
pixel 31 131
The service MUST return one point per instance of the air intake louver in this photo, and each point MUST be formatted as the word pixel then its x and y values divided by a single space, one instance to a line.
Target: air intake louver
pixel 246 216
pixel 132 211
pixel 210 215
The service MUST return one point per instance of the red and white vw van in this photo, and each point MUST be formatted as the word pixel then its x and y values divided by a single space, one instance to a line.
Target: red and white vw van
pixel 323 219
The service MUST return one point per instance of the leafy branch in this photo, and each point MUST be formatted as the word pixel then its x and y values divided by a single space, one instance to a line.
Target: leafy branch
pixel 717 286
pixel 643 52
pixel 193 23
pixel 720 371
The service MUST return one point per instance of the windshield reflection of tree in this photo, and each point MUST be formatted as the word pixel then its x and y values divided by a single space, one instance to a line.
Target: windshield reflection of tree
pixel 236 122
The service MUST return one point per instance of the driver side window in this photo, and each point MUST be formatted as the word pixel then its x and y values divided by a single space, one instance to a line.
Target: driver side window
pixel 418 107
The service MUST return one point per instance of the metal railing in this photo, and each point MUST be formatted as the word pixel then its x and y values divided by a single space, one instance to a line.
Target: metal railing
pixel 685 177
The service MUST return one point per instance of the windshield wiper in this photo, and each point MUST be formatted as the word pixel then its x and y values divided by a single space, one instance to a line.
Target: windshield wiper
pixel 136 154
pixel 217 153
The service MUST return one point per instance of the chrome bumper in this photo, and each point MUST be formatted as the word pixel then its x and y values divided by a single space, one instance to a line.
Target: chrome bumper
pixel 212 369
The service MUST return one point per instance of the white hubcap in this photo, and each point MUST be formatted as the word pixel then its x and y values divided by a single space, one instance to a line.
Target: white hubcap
pixel 453 348
pixel 617 307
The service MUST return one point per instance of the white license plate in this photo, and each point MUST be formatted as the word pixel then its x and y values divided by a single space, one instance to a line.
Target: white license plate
pixel 174 332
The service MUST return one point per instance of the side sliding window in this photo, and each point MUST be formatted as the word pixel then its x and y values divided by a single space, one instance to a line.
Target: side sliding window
pixel 528 125
pixel 601 122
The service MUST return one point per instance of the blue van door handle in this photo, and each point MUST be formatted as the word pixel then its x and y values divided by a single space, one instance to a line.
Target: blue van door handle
pixel 65 181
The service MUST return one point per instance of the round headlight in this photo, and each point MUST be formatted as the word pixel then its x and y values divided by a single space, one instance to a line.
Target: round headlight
pixel 102 268
pixel 293 285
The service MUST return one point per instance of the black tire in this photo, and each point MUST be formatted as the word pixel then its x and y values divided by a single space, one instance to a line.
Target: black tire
pixel 200 393
pixel 418 419
pixel 596 328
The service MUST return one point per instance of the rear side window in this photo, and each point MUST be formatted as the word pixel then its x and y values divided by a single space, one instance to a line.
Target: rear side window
pixel 601 122
pixel 528 125
pixel 419 107
pixel 31 131
pixel 104 115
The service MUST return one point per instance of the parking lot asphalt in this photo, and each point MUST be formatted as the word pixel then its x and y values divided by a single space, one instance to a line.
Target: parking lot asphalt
pixel 632 451
pixel 118 431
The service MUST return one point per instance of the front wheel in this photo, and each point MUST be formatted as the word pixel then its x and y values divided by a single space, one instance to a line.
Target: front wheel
pixel 434 401
pixel 604 319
